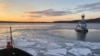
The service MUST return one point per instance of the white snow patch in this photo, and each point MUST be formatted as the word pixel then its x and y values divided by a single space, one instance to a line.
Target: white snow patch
pixel 48 45
pixel 52 46
pixel 24 43
pixel 80 51
pixel 57 52
pixel 96 44
pixel 41 41
pixel 3 43
pixel 41 45
pixel 69 44
pixel 95 47
pixel 80 43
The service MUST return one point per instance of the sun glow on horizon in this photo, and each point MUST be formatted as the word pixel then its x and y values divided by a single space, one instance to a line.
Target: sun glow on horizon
pixel 35 11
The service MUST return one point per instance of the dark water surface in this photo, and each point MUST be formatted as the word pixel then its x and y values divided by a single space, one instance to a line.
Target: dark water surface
pixel 61 30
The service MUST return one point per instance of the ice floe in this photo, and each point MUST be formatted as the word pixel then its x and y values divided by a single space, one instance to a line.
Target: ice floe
pixel 52 46
pixel 24 43
pixel 57 52
pixel 80 51
pixel 69 44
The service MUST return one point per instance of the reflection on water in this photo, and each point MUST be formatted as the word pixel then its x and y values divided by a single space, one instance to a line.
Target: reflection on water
pixel 81 35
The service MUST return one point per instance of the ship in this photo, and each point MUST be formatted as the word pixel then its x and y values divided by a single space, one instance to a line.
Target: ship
pixel 82 25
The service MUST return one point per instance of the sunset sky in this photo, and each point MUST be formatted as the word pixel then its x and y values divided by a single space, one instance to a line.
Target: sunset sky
pixel 48 10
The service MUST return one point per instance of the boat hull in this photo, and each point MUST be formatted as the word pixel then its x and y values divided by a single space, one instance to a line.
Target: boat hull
pixel 83 30
pixel 13 52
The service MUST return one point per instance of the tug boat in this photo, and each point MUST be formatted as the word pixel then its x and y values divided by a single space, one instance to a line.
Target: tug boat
pixel 10 50
pixel 82 26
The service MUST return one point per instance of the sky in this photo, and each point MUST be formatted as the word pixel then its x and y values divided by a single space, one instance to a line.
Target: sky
pixel 48 10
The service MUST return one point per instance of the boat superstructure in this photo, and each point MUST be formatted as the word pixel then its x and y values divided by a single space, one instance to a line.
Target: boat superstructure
pixel 82 25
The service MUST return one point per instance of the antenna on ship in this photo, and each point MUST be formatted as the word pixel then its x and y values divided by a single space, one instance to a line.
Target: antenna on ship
pixel 83 16
pixel 10 43
pixel 11 35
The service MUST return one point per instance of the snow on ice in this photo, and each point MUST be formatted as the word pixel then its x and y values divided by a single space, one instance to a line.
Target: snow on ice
pixel 57 52
pixel 80 51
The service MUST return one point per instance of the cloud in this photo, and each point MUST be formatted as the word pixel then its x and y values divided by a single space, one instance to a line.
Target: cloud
pixel 49 12
pixel 52 12
pixel 3 6
pixel 38 16
pixel 88 7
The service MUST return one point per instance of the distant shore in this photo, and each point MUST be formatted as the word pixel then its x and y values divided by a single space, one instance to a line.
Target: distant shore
pixel 97 20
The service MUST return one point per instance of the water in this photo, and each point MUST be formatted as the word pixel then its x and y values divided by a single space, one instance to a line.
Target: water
pixel 50 31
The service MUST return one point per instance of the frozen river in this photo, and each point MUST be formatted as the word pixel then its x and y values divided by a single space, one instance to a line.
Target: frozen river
pixel 43 37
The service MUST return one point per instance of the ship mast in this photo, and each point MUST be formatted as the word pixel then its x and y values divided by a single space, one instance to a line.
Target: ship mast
pixel 83 16
pixel 11 39
pixel 10 35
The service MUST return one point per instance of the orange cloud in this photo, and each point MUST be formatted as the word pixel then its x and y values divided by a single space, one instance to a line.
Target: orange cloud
pixel 3 6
